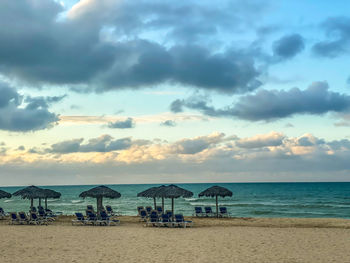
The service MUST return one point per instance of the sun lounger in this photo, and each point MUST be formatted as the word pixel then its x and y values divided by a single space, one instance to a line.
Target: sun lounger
pixel 50 214
pixel 107 220
pixel 153 219
pixel 23 219
pixel 223 211
pixel 2 213
pixel 159 210
pixel 181 222
pixel 110 211
pixel 198 212
pixel 166 221
pixel 92 218
pixel 80 220
pixel 139 208
pixel 169 213
pixel 208 211
pixel 148 210
pixel 35 219
pixel 143 215
pixel 14 219
pixel 43 215
pixel 90 208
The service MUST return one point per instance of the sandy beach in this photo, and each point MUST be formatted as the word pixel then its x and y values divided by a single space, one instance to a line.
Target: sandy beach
pixel 211 240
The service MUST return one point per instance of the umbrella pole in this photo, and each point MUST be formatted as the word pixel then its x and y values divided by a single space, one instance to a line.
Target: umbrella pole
pixel 39 201
pixel 155 203
pixel 99 204
pixel 172 208
pixel 163 204
pixel 31 203
pixel 45 202
pixel 217 209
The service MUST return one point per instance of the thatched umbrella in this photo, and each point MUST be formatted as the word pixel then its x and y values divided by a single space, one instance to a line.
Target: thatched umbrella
pixel 152 193
pixel 31 192
pixel 173 191
pixel 51 194
pixel 216 191
pixel 4 194
pixel 99 192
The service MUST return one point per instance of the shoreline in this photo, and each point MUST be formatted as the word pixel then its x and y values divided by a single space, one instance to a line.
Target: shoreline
pixel 65 220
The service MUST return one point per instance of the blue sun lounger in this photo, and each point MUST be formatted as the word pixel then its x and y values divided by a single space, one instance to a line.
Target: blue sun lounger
pixel 165 221
pixel 208 211
pixel 143 215
pixel 2 213
pixel 223 211
pixel 153 219
pixel 110 211
pixel 80 220
pixel 159 210
pixel 92 218
pixel 198 212
pixel 14 219
pixel 34 219
pixel 23 219
pixel 107 220
pixel 181 222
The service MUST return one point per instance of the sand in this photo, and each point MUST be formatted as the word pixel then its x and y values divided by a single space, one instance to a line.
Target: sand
pixel 211 240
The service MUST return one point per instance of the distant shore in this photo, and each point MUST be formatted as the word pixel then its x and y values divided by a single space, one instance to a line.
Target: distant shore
pixel 210 240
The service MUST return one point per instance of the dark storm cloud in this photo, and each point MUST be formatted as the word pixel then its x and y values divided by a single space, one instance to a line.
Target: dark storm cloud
pixel 30 115
pixel 127 124
pixel 268 105
pixel 73 51
pixel 337 30
pixel 42 102
pixel 104 143
pixel 288 46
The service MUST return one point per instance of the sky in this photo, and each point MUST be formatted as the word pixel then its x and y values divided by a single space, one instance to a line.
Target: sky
pixel 129 92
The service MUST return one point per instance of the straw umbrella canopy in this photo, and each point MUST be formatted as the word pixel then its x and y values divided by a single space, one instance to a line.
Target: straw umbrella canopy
pixel 152 193
pixel 4 194
pixel 173 191
pixel 31 192
pixel 216 191
pixel 51 194
pixel 99 193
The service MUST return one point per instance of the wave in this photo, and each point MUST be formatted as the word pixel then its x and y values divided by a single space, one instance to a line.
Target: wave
pixel 8 201
pixel 77 201
pixel 52 200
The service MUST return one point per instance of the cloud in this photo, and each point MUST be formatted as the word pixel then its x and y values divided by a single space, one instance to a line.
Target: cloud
pixel 112 51
pixel 338 31
pixel 127 124
pixel 23 115
pixel 168 123
pixel 345 120
pixel 214 157
pixel 104 143
pixel 270 105
pixel 197 144
pixel 288 46
pixel 261 140
pixel 104 120
pixel 21 148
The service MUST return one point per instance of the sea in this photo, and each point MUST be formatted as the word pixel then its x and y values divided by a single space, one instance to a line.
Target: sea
pixel 303 200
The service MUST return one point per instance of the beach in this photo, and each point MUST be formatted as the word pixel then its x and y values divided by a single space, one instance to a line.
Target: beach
pixel 210 240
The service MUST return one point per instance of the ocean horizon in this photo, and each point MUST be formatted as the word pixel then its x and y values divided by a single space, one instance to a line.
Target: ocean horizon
pixel 265 199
